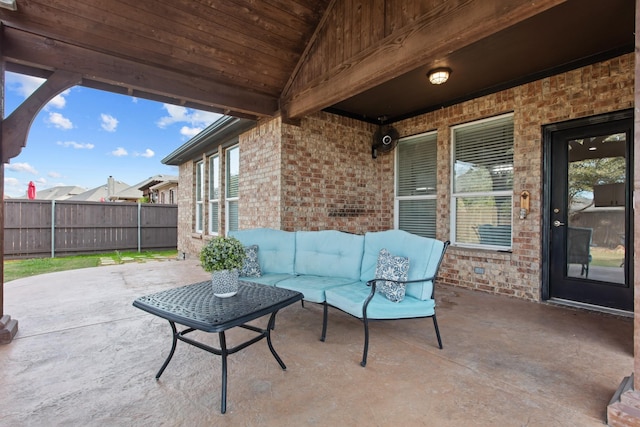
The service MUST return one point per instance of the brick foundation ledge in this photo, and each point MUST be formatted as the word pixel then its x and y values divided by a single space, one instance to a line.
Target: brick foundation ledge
pixel 624 407
pixel 8 329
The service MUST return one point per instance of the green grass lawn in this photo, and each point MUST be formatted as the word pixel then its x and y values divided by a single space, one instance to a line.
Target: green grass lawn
pixel 603 257
pixel 16 269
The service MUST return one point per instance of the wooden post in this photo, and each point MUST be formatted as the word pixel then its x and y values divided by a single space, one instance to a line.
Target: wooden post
pixel 8 326
pixel 13 137
pixel 636 207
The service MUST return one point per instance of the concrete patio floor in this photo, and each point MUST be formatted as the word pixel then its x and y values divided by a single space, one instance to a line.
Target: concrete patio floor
pixel 84 356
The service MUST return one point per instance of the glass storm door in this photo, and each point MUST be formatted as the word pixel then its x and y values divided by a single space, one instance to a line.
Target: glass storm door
pixel 588 219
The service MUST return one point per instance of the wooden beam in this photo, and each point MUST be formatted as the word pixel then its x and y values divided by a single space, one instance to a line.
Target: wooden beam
pixel 410 47
pixel 162 98
pixel 36 51
pixel 307 48
pixel 15 128
pixel 636 210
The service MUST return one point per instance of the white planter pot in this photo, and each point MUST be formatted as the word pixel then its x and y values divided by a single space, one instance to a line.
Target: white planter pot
pixel 224 283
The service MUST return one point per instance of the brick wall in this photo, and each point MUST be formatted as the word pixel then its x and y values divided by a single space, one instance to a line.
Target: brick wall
pixel 260 185
pixel 595 89
pixel 330 180
pixel 188 242
pixel 320 174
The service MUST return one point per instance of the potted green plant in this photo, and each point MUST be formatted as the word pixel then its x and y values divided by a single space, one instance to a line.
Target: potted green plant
pixel 223 256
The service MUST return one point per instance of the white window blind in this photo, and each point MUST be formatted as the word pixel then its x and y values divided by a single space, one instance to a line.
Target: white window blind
pixel 232 177
pixel 199 197
pixel 214 193
pixel 416 179
pixel 483 182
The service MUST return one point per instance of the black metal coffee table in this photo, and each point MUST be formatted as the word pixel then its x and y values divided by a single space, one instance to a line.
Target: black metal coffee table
pixel 195 307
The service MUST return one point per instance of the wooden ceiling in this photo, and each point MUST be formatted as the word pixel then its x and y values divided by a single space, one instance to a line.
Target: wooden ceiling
pixel 362 58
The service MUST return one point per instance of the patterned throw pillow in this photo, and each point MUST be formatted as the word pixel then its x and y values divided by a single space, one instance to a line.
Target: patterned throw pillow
pixel 251 268
pixel 391 268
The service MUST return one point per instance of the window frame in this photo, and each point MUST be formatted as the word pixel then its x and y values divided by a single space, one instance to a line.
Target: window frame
pixel 228 198
pixel 199 201
pixel 213 201
pixel 430 137
pixel 455 195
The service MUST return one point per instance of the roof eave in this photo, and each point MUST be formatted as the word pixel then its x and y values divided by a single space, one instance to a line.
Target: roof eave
pixel 220 131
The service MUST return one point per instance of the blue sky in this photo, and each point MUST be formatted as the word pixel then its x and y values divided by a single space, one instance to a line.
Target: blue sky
pixel 83 136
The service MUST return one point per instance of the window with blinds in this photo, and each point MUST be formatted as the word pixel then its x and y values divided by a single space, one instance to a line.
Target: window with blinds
pixel 482 189
pixel 416 178
pixel 199 189
pixel 214 193
pixel 232 176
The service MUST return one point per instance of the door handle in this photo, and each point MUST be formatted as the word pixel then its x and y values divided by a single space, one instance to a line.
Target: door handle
pixel 557 223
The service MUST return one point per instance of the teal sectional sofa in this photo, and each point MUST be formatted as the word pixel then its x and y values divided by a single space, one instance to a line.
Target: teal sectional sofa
pixel 339 269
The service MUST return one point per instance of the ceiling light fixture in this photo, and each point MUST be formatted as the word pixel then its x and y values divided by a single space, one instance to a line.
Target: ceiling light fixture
pixel 8 4
pixel 437 76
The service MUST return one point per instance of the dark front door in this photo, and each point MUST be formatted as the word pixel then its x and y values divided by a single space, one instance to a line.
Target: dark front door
pixel 587 220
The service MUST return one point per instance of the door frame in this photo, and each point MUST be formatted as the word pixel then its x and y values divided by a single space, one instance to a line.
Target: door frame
pixel 547 139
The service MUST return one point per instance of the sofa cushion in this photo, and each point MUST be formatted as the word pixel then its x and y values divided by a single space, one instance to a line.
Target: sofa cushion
pixel 277 248
pixel 313 287
pixel 392 268
pixel 250 266
pixel 423 253
pixel 329 253
pixel 351 298
pixel 270 279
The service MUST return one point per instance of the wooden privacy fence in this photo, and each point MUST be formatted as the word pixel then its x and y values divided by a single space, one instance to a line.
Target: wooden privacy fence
pixel 39 228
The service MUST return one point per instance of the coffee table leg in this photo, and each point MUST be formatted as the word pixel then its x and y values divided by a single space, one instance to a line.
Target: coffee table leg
pixel 223 353
pixel 173 349
pixel 272 322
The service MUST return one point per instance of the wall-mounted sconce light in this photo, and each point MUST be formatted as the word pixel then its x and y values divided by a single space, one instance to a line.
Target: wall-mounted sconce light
pixel 524 204
pixel 9 4
pixel 437 76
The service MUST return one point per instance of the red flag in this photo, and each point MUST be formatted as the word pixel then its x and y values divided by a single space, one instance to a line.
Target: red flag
pixel 31 191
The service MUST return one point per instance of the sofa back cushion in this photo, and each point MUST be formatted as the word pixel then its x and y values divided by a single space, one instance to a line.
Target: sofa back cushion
pixel 329 253
pixel 276 248
pixel 423 253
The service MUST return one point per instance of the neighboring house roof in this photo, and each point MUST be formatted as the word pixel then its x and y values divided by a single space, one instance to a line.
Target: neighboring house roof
pixel 135 192
pixel 101 193
pixel 130 194
pixel 121 191
pixel 60 192
pixel 218 132
pixel 171 183
pixel 155 180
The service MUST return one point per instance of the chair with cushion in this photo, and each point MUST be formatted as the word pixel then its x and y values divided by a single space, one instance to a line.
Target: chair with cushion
pixel 579 248
pixel 397 279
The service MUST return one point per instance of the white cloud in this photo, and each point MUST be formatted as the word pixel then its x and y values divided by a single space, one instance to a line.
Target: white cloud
pixel 21 167
pixel 25 85
pixel 119 152
pixel 179 114
pixel 190 131
pixel 41 180
pixel 13 187
pixel 22 84
pixel 76 145
pixel 59 101
pixel 109 123
pixel 54 174
pixel 176 114
pixel 148 153
pixel 59 121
